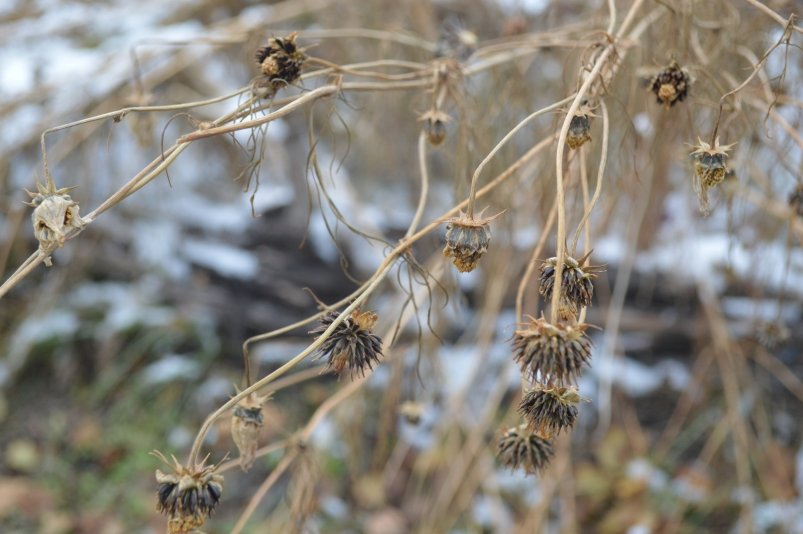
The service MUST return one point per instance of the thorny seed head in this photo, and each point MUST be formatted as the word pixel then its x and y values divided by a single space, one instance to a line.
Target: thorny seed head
pixel 550 409
pixel 520 448
pixel 435 126
pixel 577 286
pixel 187 495
pixel 796 200
pixel 710 167
pixel 552 352
pixel 352 345
pixel 280 63
pixel 580 127
pixel 671 84
pixel 54 214
pixel 246 422
pixel 467 239
pixel 771 334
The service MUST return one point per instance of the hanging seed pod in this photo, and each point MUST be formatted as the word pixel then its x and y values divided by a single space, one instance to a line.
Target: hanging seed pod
pixel 552 352
pixel 671 84
pixel 520 448
pixel 796 200
pixel 435 126
pixel 187 495
pixel 467 239
pixel 280 63
pixel 412 411
pixel 710 167
pixel 54 214
pixel 352 345
pixel 577 286
pixel 580 127
pixel 246 422
pixel 550 409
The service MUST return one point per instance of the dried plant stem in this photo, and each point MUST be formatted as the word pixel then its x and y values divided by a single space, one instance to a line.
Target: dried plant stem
pixel 259 494
pixel 598 189
pixel 500 144
pixel 420 70
pixel 533 262
pixel 775 16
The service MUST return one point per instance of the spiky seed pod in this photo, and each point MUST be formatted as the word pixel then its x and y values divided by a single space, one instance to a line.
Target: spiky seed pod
pixel 550 409
pixel 577 286
pixel 435 126
pixel 280 63
pixel 771 334
pixel 710 167
pixel 187 495
pixel 467 239
pixel 520 448
pixel 796 200
pixel 351 346
pixel 671 84
pixel 54 214
pixel 246 422
pixel 555 352
pixel 580 127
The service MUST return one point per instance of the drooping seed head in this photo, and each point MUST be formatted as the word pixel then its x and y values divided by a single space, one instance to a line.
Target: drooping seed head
pixel 577 287
pixel 467 239
pixel 580 127
pixel 520 448
pixel 246 422
pixel 280 63
pixel 671 84
pixel 552 353
pixel 352 346
pixel 710 167
pixel 550 409
pixel 54 214
pixel 187 495
pixel 435 126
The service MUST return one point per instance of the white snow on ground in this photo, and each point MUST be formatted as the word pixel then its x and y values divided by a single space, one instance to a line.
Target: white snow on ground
pixel 226 260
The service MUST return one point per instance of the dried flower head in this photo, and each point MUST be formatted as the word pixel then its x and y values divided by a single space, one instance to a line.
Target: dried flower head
pixel 352 345
pixel 54 214
pixel 520 448
pixel 246 421
pixel 671 84
pixel 467 239
pixel 456 41
pixel 280 63
pixel 796 200
pixel 555 352
pixel 577 286
pixel 710 167
pixel 550 409
pixel 580 127
pixel 412 411
pixel 771 334
pixel 435 125
pixel 187 495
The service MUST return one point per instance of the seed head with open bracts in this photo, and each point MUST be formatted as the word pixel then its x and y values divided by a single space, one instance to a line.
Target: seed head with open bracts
pixel 710 167
pixel 435 126
pixel 552 353
pixel 280 63
pixel 520 448
pixel 671 84
pixel 352 345
pixel 577 287
pixel 54 214
pixel 187 495
pixel 550 409
pixel 467 239
pixel 246 422
pixel 580 127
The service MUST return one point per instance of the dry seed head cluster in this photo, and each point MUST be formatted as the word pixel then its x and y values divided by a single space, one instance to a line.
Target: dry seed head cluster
pixel 187 495
pixel 580 127
pixel 246 422
pixel 671 84
pixel 280 63
pixel 577 286
pixel 553 353
pixel 54 214
pixel 710 167
pixel 467 239
pixel 550 409
pixel 520 448
pixel 351 346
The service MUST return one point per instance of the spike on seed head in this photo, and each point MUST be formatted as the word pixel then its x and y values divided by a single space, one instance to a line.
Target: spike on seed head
pixel 352 345
pixel 467 239
pixel 671 84
pixel 246 422
pixel 557 353
pixel 187 495
pixel 520 448
pixel 550 409
pixel 710 168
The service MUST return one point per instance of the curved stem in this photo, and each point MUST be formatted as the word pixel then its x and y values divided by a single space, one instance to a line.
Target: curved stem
pixel 533 262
